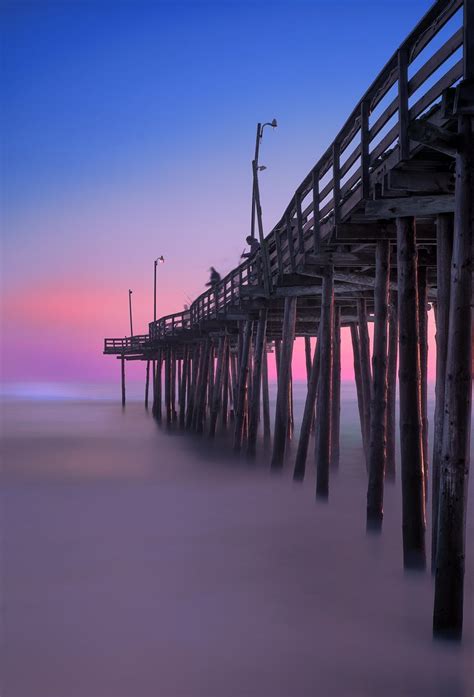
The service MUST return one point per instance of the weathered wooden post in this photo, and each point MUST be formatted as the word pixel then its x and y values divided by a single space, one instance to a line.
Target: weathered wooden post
pixel 259 350
pixel 378 412
pixel 358 380
pixel 122 362
pixel 203 387
pixel 210 386
pixel 411 449
pixel 284 362
pixel 168 385
pixel 183 384
pixel 192 387
pixel 242 386
pixel 302 452
pixel 265 399
pixel 225 383
pixel 217 387
pixel 173 362
pixel 423 325
pixel 291 421
pixel 444 250
pixel 323 431
pixel 450 554
pixel 392 387
pixel 336 390
pixel 364 344
pixel 234 391
pixel 157 391
pixel 147 383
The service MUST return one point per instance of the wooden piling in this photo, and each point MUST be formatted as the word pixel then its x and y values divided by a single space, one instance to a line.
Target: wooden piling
pixel 265 400
pixel 259 349
pixel 284 363
pixel 444 249
pixel 183 386
pixel 411 449
pixel 302 452
pixel 423 329
pixel 323 432
pixel 450 554
pixel 168 385
pixel 336 390
pixel 157 412
pixel 173 363
pixel 203 387
pixel 147 383
pixel 366 377
pixel 392 387
pixel 122 362
pixel 190 408
pixel 378 411
pixel 217 386
pixel 358 380
pixel 242 386
pixel 225 384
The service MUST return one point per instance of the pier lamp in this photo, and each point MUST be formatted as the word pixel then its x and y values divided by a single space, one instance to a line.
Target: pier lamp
pixel 130 311
pixel 258 168
pixel 158 260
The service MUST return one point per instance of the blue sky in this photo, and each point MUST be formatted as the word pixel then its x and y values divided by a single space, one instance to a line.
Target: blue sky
pixel 128 130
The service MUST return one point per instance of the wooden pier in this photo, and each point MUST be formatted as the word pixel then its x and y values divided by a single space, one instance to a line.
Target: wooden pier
pixel 380 229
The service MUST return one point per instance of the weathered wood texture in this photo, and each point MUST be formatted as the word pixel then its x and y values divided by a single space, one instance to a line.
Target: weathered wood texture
pixel 302 452
pixel 242 385
pixel 336 390
pixel 378 413
pixel 444 245
pixel 323 432
pixel 411 449
pixel 358 380
pixel 259 350
pixel 366 376
pixel 450 556
pixel 390 467
pixel 423 329
pixel 284 371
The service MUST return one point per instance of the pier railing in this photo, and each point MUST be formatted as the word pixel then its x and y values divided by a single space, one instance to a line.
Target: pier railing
pixel 126 344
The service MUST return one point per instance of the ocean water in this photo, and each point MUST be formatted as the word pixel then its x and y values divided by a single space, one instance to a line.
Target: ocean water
pixel 138 562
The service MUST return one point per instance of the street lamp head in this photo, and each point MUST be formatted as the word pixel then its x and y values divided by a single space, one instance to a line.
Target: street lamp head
pixel 160 260
pixel 261 168
pixel 274 123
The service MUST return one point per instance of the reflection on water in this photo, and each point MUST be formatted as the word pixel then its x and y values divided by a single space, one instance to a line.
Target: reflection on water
pixel 141 563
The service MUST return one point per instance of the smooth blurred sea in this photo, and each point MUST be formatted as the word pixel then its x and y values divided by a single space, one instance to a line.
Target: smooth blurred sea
pixel 138 562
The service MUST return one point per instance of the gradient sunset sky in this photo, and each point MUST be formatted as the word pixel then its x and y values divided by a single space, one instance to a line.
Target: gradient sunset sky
pixel 127 132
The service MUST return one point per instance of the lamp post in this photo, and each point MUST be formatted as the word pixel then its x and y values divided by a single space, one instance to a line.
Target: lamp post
pixel 159 260
pixel 259 136
pixel 130 311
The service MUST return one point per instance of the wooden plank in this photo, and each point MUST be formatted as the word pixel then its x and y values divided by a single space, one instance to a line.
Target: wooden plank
pixel 403 118
pixel 371 232
pixel 409 206
pixel 434 137
pixel 413 180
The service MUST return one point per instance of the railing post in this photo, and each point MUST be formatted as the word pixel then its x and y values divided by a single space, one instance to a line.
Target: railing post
pixel 364 147
pixel 336 149
pixel 403 114
pixel 299 219
pixel 316 224
pixel 291 249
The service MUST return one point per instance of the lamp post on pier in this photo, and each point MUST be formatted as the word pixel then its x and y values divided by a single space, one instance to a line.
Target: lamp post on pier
pixel 130 311
pixel 159 260
pixel 256 168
